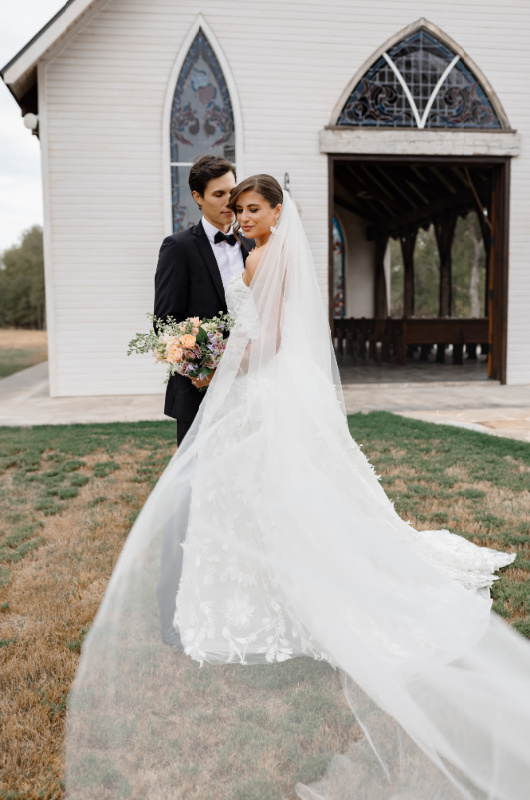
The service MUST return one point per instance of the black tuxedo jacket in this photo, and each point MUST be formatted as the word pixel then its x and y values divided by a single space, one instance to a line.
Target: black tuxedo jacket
pixel 188 284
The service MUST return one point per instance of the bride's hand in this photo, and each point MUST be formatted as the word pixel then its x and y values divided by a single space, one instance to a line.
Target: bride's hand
pixel 202 383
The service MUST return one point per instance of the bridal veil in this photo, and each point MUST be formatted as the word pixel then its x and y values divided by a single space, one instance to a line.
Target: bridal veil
pixel 439 685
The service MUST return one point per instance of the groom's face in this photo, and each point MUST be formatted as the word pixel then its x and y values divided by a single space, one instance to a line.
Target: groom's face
pixel 215 199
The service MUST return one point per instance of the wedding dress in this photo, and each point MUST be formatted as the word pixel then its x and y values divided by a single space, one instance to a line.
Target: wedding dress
pixel 292 548
pixel 232 608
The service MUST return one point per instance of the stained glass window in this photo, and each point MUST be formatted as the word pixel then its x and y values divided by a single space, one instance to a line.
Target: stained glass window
pixel 202 122
pixel 420 82
pixel 338 271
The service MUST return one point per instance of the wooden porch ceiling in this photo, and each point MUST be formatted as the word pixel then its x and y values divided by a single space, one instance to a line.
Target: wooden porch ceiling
pixel 396 197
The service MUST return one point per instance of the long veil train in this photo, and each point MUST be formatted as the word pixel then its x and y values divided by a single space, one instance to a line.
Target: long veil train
pixel 270 483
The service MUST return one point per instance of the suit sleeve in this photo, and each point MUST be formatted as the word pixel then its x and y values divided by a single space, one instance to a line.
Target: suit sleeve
pixel 171 281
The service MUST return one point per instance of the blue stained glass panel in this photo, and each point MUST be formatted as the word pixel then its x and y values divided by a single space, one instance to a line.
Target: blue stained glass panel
pixel 338 271
pixel 379 99
pixel 202 122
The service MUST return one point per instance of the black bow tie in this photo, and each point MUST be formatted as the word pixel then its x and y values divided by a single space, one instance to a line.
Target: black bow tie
pixel 223 237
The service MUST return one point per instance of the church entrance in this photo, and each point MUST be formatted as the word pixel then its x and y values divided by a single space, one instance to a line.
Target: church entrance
pixel 419 151
pixel 418 262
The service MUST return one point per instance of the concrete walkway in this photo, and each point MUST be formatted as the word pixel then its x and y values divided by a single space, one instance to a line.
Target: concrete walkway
pixel 480 405
pixel 25 400
pixel 487 406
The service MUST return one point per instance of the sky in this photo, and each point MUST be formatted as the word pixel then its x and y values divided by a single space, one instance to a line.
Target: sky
pixel 20 164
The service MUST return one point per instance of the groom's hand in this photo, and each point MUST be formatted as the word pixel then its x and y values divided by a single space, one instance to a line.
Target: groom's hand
pixel 202 383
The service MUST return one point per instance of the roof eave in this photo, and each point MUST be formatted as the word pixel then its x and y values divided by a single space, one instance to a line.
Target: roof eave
pixel 20 73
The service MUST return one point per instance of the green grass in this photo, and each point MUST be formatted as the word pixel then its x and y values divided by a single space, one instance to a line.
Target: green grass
pixel 43 468
pixel 68 495
pixel 451 474
pixel 13 360
pixel 469 483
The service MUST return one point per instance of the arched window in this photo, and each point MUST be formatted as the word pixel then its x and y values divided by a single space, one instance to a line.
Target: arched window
pixel 338 271
pixel 419 82
pixel 202 121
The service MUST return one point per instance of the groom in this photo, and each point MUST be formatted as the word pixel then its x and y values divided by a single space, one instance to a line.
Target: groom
pixel 194 266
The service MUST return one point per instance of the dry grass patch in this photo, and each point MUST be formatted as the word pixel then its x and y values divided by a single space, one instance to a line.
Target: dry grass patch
pixel 68 496
pixel 22 339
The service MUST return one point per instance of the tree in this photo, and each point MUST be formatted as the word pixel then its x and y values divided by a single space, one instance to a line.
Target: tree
pixel 426 274
pixel 22 297
pixel 469 268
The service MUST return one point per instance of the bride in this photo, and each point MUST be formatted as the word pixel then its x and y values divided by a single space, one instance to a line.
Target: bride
pixel 292 548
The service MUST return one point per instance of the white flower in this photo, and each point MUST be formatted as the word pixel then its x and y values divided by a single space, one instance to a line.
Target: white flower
pixel 238 610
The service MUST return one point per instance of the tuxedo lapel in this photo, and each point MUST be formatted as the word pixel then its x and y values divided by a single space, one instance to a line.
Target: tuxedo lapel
pixel 206 252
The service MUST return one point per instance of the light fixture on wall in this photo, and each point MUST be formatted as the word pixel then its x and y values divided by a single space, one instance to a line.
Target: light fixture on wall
pixel 31 121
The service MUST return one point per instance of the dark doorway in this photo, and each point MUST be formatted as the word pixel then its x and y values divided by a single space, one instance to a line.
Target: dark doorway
pixel 393 199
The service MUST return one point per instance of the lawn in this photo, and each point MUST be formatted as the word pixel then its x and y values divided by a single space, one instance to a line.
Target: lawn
pixel 20 349
pixel 68 496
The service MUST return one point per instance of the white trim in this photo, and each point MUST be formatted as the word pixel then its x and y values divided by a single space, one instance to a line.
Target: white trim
pixel 47 232
pixel 436 31
pixel 420 121
pixel 200 23
pixel 412 141
pixel 405 88
pixel 436 89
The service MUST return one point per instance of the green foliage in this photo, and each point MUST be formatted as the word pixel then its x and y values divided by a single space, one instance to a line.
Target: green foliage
pixel 426 274
pixel 397 277
pixel 467 249
pixel 22 282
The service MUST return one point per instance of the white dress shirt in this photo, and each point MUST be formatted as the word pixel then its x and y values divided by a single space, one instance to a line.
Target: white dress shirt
pixel 229 257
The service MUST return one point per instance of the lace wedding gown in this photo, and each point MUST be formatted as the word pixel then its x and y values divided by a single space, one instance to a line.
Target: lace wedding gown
pixel 292 548
pixel 231 607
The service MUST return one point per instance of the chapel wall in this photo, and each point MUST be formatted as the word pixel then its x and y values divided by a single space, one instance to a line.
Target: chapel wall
pixel 105 92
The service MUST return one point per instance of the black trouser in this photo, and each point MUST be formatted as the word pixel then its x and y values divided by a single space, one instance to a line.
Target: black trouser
pixel 182 429
pixel 171 556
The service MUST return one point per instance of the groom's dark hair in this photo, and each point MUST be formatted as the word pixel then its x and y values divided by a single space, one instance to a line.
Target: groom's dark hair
pixel 205 168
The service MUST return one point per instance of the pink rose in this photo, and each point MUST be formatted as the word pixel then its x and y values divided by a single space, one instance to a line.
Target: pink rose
pixel 173 353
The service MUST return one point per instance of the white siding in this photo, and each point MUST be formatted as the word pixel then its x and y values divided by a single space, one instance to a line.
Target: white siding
pixel 105 93
pixel 358 265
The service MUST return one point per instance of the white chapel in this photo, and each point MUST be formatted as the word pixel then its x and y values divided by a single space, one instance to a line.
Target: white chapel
pixel 381 118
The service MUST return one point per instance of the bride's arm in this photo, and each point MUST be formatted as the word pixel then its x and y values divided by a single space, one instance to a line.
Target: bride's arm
pixel 249 273
pixel 251 264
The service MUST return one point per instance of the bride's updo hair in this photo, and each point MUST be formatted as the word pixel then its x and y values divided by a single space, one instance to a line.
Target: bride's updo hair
pixel 265 185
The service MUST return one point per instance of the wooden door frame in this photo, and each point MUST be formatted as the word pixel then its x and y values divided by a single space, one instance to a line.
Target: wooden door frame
pixel 499 249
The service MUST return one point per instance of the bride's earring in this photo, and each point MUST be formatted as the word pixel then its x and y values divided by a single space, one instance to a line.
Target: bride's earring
pixel 273 227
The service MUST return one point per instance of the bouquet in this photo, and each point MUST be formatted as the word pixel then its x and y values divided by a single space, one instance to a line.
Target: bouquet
pixel 193 347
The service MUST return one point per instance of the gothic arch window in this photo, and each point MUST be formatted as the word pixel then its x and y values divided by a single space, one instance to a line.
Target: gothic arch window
pixel 202 121
pixel 338 271
pixel 419 82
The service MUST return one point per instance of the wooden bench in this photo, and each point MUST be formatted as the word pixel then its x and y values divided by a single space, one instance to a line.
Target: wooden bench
pixel 355 336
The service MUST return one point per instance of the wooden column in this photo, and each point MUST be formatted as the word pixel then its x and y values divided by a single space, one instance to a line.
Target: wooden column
pixel 444 228
pixel 445 232
pixel 498 273
pixel 407 239
pixel 485 227
pixel 380 294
